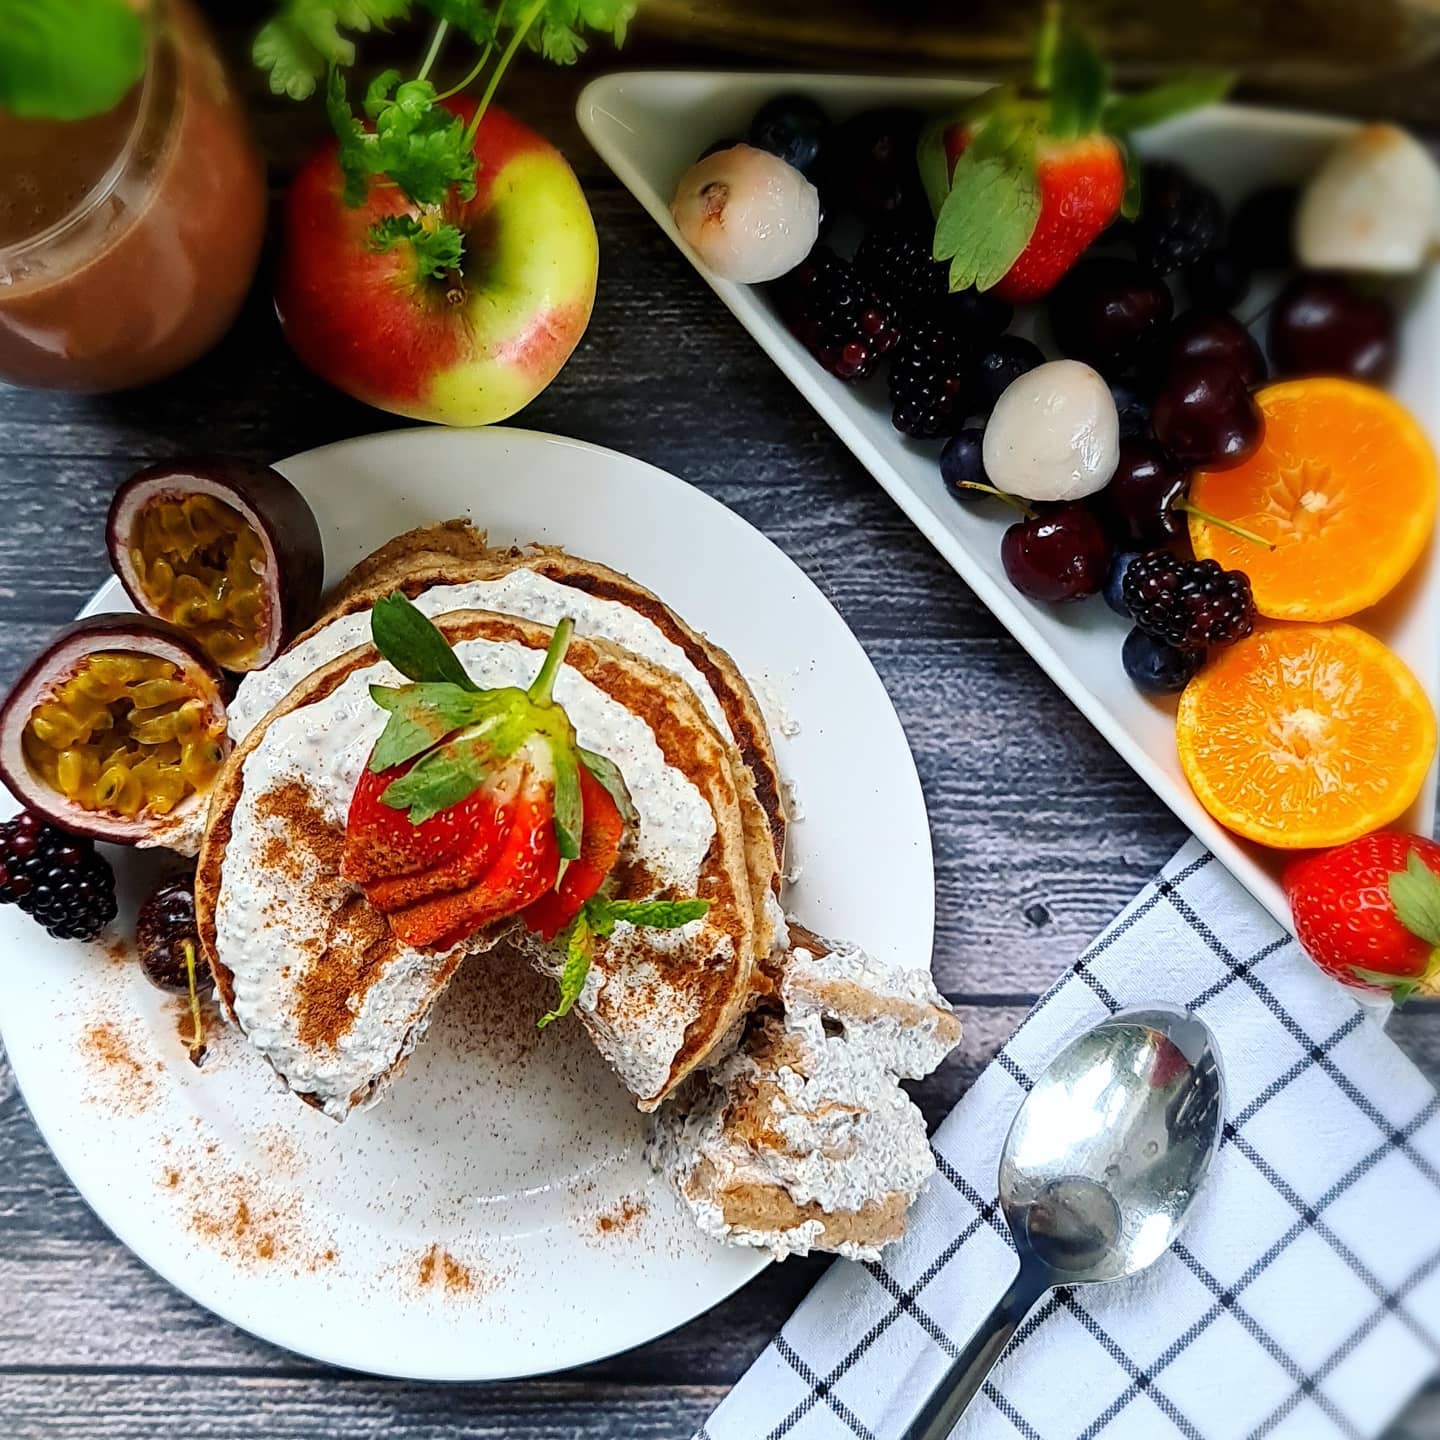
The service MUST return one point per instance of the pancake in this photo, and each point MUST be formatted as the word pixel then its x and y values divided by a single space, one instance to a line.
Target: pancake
pixel 311 973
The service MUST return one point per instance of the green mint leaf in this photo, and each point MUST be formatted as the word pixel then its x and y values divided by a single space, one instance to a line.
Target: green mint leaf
pixel 447 775
pixel 412 644
pixel 304 39
pixel 1079 83
pixel 603 915
pixel 988 216
pixel 420 717
pixel 607 772
pixel 68 59
pixel 576 968
pixel 1124 113
pixel 569 812
pixel 438 248
pixel 1415 894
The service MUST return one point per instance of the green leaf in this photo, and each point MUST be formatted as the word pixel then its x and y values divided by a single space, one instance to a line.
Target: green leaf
pixel 1079 83
pixel 603 915
pixel 542 688
pixel 1124 113
pixel 420 717
pixel 989 215
pixel 934 162
pixel 304 39
pixel 1131 196
pixel 476 19
pixel 439 248
pixel 68 59
pixel 569 811
pixel 576 968
pixel 447 775
pixel 421 145
pixel 355 145
pixel 1415 894
pixel 1401 987
pixel 607 772
pixel 377 92
pixel 412 644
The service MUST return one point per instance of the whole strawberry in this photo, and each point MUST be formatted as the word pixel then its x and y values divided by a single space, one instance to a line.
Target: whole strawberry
pixel 1368 912
pixel 1022 185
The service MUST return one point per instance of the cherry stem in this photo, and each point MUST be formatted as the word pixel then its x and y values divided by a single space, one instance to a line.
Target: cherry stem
pixel 1190 508
pixel 1004 495
pixel 196 1043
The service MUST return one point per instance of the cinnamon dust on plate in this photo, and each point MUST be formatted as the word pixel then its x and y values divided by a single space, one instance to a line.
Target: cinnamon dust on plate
pixel 122 1080
pixel 624 1216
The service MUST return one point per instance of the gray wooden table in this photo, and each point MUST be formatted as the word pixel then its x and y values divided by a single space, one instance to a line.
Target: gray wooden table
pixel 1041 832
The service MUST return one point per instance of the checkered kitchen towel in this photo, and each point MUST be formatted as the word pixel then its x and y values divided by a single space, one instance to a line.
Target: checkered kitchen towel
pixel 1303 1300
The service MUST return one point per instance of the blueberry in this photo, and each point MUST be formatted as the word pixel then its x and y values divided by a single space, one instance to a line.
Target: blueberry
pixel 1155 667
pixel 961 464
pixel 1006 361
pixel 1132 405
pixel 1116 579
pixel 792 127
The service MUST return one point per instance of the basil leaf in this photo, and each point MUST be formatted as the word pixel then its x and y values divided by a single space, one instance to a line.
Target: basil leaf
pixel 412 644
pixel 445 777
pixel 577 967
pixel 68 59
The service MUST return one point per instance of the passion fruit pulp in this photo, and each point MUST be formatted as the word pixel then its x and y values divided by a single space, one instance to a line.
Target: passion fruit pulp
pixel 117 731
pixel 223 548
pixel 202 568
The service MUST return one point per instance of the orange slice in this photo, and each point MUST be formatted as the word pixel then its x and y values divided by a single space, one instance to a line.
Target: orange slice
pixel 1343 484
pixel 1303 736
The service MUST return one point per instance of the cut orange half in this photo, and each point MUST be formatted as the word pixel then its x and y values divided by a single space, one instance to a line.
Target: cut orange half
pixel 1303 736
pixel 1343 484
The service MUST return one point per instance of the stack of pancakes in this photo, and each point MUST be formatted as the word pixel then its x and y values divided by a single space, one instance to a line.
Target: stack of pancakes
pixel 312 975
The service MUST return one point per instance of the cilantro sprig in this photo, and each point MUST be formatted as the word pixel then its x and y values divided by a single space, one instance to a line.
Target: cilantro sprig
pixel 406 137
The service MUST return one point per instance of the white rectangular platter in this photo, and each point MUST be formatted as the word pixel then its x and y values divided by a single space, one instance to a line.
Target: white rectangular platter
pixel 650 127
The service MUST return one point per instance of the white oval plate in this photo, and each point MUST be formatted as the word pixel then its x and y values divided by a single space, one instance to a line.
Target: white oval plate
pixel 649 126
pixel 494 1216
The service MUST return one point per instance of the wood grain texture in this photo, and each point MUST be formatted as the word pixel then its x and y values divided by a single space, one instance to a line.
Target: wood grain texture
pixel 1041 832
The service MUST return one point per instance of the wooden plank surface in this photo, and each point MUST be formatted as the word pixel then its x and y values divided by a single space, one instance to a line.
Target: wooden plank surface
pixel 1041 833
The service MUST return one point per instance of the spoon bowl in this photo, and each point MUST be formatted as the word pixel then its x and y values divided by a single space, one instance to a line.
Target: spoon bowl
pixel 1097 1175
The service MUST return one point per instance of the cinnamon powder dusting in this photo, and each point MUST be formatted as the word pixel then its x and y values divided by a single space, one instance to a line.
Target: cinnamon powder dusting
pixel 439 1267
pixel 625 1215
pixel 358 944
pixel 126 1080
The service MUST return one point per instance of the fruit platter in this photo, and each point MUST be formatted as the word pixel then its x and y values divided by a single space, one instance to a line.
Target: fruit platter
pixel 1203 399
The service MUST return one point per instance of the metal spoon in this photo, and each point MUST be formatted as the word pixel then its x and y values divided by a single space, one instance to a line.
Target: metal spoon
pixel 1097 1174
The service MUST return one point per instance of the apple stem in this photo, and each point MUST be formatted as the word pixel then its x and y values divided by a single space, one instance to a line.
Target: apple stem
pixel 507 55
pixel 454 288
pixel 1190 508
pixel 433 53
pixel 470 79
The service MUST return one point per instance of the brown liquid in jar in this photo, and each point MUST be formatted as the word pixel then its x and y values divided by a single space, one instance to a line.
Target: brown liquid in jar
pixel 128 240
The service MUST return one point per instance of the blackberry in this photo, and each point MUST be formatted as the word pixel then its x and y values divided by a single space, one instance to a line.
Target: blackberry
pixel 163 930
pixel 933 382
pixel 1180 220
pixel 894 259
pixel 1188 603
pixel 839 319
pixel 56 878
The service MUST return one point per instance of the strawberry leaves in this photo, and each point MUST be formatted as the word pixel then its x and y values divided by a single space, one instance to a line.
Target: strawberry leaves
pixel 1415 894
pixel 420 717
pixel 1078 83
pixel 1124 113
pixel 598 918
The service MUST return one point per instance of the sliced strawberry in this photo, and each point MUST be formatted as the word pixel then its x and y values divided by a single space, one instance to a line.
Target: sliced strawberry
pixel 1082 183
pixel 380 841
pixel 604 830
pixel 524 868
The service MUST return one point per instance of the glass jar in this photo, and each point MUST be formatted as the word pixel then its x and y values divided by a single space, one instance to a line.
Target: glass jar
pixel 128 240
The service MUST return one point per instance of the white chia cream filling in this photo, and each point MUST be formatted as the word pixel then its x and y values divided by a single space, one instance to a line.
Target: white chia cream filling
pixel 522 593
pixel 269 918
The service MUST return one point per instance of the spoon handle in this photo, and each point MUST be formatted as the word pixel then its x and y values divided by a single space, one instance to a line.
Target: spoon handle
pixel 938 1416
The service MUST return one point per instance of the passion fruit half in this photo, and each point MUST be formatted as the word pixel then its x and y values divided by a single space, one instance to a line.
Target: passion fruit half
pixel 226 549
pixel 118 731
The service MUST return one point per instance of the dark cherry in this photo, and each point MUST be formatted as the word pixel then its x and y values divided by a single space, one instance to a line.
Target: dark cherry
pixel 979 313
pixel 1132 406
pixel 1263 230
pixel 1137 506
pixel 868 164
pixel 1004 362
pixel 1108 312
pixel 1214 335
pixel 1205 417
pixel 1321 325
pixel 1220 281
pixel 1060 555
